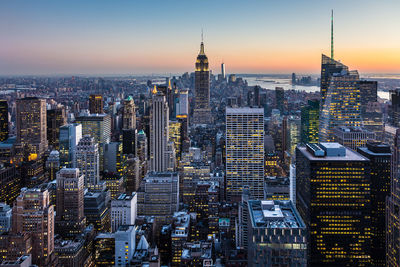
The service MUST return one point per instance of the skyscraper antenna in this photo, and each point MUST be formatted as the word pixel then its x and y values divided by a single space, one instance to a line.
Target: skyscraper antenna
pixel 202 35
pixel 332 35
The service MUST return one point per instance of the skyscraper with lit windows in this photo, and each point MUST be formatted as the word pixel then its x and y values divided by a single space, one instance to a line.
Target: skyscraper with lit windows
pixel 340 98
pixel 393 208
pixel 31 128
pixel 99 127
pixel 96 104
pixel 202 111
pixel 333 196
pixel 310 122
pixel 244 152
pixel 87 160
pixel 70 219
pixel 380 156
pixel 3 120
pixel 33 215
pixel 56 118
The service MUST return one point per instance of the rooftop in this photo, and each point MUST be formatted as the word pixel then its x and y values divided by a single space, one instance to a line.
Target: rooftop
pixel 245 110
pixel 274 214
pixel 331 152
pixel 126 196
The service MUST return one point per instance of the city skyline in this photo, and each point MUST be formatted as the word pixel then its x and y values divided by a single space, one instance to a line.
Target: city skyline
pixel 156 37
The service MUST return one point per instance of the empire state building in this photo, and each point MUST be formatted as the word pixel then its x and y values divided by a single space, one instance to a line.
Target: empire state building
pixel 202 111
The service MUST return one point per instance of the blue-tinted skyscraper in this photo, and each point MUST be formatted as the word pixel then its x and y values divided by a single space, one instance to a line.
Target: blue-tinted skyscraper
pixel 70 135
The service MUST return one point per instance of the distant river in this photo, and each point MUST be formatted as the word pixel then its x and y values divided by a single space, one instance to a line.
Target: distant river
pixel 271 82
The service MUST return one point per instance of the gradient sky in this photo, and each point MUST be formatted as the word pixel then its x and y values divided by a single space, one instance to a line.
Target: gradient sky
pixel 148 36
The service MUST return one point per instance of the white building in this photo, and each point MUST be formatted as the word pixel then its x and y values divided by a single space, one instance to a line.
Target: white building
pixel 87 160
pixel 244 152
pixel 124 245
pixel 159 134
pixel 123 211
pixel 5 217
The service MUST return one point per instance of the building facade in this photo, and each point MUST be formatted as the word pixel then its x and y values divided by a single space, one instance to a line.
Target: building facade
pixel 202 111
pixel 380 157
pixel 277 234
pixel 340 98
pixel 123 210
pixel 70 135
pixel 87 160
pixel 70 218
pixel 333 198
pixel 31 128
pixel 244 152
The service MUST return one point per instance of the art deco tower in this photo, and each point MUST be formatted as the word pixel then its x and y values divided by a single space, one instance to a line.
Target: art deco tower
pixel 202 111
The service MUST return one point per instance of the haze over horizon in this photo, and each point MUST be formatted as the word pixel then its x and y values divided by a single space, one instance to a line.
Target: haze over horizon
pixel 99 37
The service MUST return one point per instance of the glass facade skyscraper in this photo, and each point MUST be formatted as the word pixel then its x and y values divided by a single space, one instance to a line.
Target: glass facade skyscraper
pixel 310 122
pixel 340 98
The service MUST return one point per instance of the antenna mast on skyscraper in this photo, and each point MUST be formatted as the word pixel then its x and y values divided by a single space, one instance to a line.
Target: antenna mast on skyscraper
pixel 332 35
pixel 202 35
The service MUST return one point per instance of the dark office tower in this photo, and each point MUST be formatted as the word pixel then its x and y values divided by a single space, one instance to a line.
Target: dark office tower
pixel 333 198
pixel 395 108
pixel 129 116
pixel 393 209
pixel 310 122
pixel 70 219
pixel 3 120
pixel 202 111
pixel 368 92
pixel 96 209
pixel 56 118
pixel 380 157
pixel 96 104
pixel 129 133
pixel 10 184
pixel 129 141
pixel 31 128
pixel 280 99
pixel 294 79
pixel 340 102
pixel 257 90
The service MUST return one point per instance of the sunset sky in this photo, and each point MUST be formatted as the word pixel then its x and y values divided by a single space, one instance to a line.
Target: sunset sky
pixel 161 37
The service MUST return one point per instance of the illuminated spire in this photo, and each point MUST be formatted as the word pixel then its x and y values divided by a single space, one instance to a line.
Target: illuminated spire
pixel 332 35
pixel 154 90
pixel 202 44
